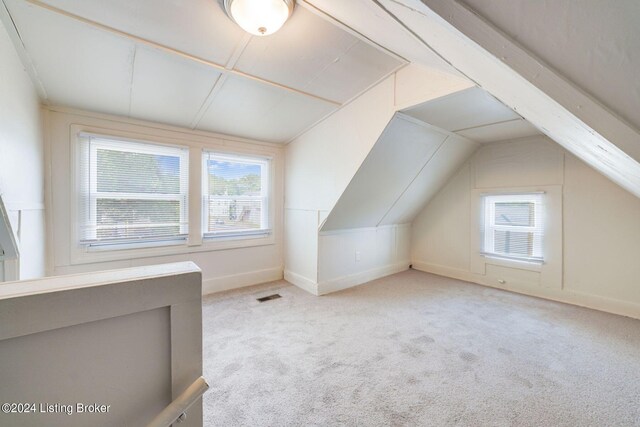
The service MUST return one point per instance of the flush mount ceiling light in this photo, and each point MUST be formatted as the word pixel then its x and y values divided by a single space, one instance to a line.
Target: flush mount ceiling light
pixel 259 17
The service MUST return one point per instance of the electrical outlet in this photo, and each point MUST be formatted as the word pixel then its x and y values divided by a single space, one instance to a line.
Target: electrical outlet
pixel 358 257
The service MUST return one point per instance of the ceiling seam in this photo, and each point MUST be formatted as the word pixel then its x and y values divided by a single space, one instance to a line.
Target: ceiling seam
pixel 218 84
pixel 315 9
pixel 21 50
pixel 319 73
pixel 177 52
pixel 133 70
pixel 519 119
pixel 347 102
pixel 417 37
pixel 414 178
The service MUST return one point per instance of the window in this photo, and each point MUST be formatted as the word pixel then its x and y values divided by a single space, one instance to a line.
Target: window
pixel 131 192
pixel 235 195
pixel 513 226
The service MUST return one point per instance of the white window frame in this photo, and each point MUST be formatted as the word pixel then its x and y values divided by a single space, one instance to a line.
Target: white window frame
pixel 133 146
pixel 196 145
pixel 265 197
pixel 489 226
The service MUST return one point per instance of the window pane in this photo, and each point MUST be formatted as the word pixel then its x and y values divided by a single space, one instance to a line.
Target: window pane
pixel 515 213
pixel 234 214
pixel 513 242
pixel 235 195
pixel 131 191
pixel 137 218
pixel 234 178
pixel 127 172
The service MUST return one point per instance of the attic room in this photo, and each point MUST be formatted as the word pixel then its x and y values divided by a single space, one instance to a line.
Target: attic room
pixel 319 212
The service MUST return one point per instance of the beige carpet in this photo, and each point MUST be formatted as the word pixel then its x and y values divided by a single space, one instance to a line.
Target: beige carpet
pixel 416 349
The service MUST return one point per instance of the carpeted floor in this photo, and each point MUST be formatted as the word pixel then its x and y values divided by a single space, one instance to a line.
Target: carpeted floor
pixel 416 349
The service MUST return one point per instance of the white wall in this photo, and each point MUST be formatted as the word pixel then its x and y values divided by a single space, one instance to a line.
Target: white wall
pixel 321 163
pixel 21 158
pixel 600 227
pixel 348 258
pixel 225 267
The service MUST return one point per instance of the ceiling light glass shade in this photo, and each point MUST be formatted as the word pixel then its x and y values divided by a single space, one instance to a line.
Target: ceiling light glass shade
pixel 259 17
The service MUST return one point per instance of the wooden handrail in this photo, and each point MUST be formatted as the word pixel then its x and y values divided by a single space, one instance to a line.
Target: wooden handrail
pixel 180 404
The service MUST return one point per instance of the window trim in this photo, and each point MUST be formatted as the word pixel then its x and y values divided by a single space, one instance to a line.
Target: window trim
pixel 488 225
pixel 196 144
pixel 486 269
pixel 94 194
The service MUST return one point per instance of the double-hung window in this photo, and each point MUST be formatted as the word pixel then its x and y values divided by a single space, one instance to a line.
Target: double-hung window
pixel 131 192
pixel 235 195
pixel 513 226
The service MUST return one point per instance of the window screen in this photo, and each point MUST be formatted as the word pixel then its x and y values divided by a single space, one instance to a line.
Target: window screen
pixel 236 195
pixel 513 226
pixel 131 191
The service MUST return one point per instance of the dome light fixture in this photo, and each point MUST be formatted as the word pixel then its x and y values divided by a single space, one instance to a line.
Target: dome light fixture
pixel 259 17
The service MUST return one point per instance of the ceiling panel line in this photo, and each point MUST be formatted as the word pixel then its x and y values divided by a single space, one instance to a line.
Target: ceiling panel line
pixel 217 85
pixel 238 51
pixel 488 124
pixel 347 102
pixel 177 52
pixel 417 37
pixel 14 35
pixel 319 12
pixel 412 180
pixel 133 70
pixel 215 89
pixel 328 65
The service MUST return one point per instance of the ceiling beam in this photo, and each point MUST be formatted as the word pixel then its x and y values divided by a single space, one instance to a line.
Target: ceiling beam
pixel 149 43
pixel 487 56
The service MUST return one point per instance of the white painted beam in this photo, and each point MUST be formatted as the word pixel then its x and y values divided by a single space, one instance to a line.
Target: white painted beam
pixel 516 77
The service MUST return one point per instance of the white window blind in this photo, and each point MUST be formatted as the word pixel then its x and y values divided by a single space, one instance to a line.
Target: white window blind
pixel 513 226
pixel 236 195
pixel 131 192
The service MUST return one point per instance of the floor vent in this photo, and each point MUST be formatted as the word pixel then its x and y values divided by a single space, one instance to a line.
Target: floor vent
pixel 269 297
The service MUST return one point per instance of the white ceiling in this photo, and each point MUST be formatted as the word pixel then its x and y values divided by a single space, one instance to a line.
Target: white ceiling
pixel 593 43
pixel 474 114
pixel 553 102
pixel 408 164
pixel 161 60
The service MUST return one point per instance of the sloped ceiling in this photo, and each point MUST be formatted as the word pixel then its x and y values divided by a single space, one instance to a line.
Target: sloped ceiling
pixel 409 161
pixel 474 114
pixel 594 43
pixel 185 63
pixel 499 64
pixel 415 155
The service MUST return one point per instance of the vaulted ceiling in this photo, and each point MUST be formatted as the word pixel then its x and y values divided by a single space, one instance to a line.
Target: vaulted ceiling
pixel 569 70
pixel 185 63
pixel 418 151
pixel 475 114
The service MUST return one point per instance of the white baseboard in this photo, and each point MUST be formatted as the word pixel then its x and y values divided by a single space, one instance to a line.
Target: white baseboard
pixel 567 296
pixel 441 270
pixel 234 281
pixel 301 282
pixel 356 279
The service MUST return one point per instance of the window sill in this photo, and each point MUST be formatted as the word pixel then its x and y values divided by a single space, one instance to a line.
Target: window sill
pixel 98 254
pixel 522 264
